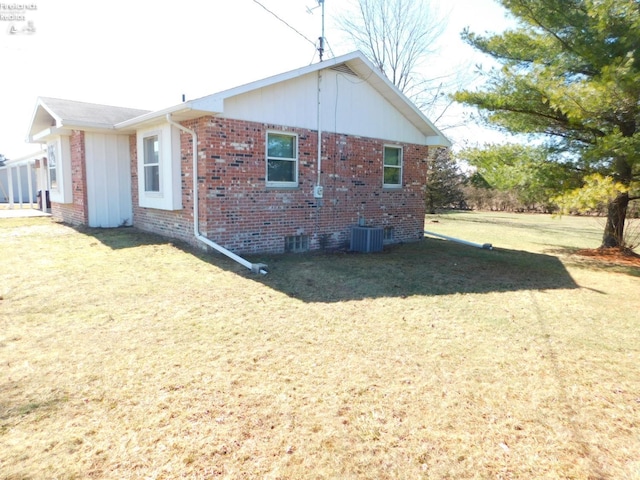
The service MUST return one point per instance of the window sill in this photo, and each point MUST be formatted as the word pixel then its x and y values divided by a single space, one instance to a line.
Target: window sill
pixel 282 187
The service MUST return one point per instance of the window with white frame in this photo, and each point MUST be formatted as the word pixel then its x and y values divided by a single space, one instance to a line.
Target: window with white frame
pixel 392 167
pixel 282 159
pixel 159 168
pixel 151 163
pixel 52 165
pixel 59 169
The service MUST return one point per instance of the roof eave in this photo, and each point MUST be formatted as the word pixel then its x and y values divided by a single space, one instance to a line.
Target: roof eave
pixel 44 135
pixel 438 141
pixel 363 67
pixel 181 112
pixel 40 104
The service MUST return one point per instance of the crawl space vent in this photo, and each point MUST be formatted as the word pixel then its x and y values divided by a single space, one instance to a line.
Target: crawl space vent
pixel 296 243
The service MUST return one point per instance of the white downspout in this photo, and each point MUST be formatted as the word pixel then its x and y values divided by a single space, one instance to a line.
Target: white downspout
pixel 317 190
pixel 485 246
pixel 319 128
pixel 254 267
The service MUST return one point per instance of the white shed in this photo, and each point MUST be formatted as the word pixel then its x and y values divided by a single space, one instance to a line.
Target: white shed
pixel 19 180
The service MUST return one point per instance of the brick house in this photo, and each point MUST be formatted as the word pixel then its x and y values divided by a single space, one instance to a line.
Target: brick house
pixel 264 182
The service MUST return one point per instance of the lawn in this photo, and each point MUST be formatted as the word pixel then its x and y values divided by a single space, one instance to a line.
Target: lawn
pixel 126 356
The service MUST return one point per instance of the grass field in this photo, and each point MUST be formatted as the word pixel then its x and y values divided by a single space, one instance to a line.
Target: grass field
pixel 125 356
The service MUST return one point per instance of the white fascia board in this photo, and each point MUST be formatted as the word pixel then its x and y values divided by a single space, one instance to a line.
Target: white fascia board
pixel 40 105
pixel 44 135
pixel 149 118
pixel 26 160
pixel 41 137
pixel 50 112
pixel 88 126
pixel 438 141
pixel 210 104
pixel 183 111
pixel 363 67
pixel 214 103
pixel 282 77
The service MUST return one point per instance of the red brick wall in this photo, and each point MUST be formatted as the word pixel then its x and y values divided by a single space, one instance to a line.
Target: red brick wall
pixel 174 224
pixel 75 213
pixel 238 211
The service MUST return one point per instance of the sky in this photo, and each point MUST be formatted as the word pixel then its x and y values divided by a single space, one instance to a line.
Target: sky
pixel 144 54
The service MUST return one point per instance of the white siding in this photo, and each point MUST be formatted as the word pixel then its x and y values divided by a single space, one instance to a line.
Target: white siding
pixel 348 105
pixel 25 171
pixel 108 180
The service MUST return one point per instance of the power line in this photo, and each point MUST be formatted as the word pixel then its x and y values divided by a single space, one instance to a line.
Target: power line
pixel 292 28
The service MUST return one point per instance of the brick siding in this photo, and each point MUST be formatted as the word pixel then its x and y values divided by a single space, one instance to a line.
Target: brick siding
pixel 75 213
pixel 238 211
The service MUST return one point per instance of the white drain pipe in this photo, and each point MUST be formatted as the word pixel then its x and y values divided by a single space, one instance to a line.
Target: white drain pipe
pixel 254 267
pixel 486 246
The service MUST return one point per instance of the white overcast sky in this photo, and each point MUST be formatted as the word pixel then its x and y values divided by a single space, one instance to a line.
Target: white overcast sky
pixel 146 54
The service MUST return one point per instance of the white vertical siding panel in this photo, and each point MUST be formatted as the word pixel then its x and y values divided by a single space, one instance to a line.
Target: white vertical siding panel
pixel 353 106
pixel 124 180
pixel 111 195
pixel 94 160
pixel 349 105
pixel 108 193
pixel 291 103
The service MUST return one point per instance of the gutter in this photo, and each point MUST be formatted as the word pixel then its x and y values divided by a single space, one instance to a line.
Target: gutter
pixel 254 267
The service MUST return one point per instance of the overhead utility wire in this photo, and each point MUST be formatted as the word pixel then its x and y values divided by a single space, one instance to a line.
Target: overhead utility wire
pixel 292 28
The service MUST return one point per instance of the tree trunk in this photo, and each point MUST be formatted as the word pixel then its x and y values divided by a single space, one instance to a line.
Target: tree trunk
pixel 616 216
pixel 431 208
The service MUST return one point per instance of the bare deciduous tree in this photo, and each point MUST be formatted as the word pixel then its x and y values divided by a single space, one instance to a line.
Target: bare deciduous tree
pixel 398 36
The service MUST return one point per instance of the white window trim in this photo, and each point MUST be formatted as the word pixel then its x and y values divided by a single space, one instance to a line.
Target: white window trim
pixel 53 146
pixel 296 161
pixel 63 191
pixel 401 167
pixel 144 136
pixel 169 169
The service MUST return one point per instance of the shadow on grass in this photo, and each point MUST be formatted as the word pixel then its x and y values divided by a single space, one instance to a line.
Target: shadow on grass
pixel 123 237
pixel 427 267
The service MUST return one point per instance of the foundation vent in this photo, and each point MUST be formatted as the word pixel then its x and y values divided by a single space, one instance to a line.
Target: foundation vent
pixel 296 243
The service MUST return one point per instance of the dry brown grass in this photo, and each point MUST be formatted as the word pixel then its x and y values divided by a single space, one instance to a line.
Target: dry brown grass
pixel 125 356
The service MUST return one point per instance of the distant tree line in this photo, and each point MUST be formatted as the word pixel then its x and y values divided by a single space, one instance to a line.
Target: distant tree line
pixel 513 178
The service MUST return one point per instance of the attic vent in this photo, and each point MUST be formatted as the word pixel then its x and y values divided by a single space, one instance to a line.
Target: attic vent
pixel 343 68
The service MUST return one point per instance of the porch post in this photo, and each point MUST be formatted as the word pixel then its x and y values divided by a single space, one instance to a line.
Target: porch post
pixel 30 167
pixel 10 185
pixel 19 185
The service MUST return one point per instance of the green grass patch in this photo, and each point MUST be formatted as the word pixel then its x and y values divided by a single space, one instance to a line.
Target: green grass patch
pixel 125 355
